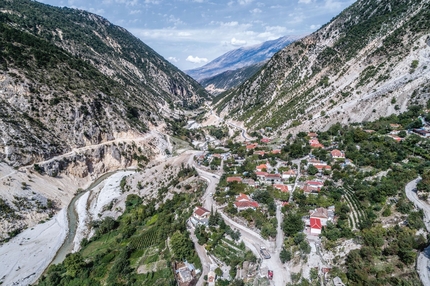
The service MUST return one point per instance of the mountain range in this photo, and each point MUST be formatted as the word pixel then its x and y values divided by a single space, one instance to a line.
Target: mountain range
pixel 236 66
pixel 369 61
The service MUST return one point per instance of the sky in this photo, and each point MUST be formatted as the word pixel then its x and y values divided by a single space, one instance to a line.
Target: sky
pixel 191 33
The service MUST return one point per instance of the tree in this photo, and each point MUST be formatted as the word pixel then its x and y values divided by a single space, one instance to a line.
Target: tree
pixel 285 255
pixel 218 272
pixel 74 263
pixel 312 170
pixel 292 224
pixel 181 245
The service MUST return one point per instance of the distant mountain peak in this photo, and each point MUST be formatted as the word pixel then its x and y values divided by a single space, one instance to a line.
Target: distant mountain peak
pixel 241 57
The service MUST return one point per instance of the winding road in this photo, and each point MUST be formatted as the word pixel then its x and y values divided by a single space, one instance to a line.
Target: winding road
pixel 251 239
pixel 423 261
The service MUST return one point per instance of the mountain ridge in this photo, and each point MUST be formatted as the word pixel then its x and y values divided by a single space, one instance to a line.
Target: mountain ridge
pixel 241 57
pixel 70 78
pixel 348 70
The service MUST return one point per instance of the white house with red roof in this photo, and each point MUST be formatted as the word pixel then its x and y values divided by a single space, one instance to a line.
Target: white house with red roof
pixel 234 179
pixel 282 188
pixel 321 214
pixel 312 135
pixel 261 175
pixel 316 226
pixel 337 154
pixel 244 202
pixel 259 153
pixel 251 146
pixel 288 174
pixel 312 187
pixel 265 140
pixel 262 167
pixel 200 216
pixel 273 178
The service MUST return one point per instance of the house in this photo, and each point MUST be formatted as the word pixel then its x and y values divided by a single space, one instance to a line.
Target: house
pixel 259 153
pixel 395 126
pixel 262 167
pixel 265 140
pixel 395 137
pixel 337 154
pixel 312 135
pixel 234 179
pixel 243 202
pixel 312 187
pixel 288 174
pixel 315 224
pixel 200 216
pixel 282 188
pixel 421 132
pixel 275 152
pixel 211 278
pixel 323 167
pixel 185 272
pixel 321 214
pixel 201 213
pixel 315 143
pixel 273 178
pixel 261 175
pixel 249 182
pixel 251 146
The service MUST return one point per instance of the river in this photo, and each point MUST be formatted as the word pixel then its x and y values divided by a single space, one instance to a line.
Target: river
pixel 72 220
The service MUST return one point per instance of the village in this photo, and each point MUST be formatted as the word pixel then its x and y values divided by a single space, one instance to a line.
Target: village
pixel 258 177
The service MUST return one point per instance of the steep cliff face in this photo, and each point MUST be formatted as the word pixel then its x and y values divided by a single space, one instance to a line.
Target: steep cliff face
pixel 70 78
pixel 370 61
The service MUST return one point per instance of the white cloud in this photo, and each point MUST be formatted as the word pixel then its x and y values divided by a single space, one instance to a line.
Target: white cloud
pixel 184 34
pixel 305 1
pixel 244 2
pixel 132 12
pixel 314 27
pixel 255 11
pixel 152 1
pixel 236 42
pixel 96 11
pixel 196 60
pixel 173 59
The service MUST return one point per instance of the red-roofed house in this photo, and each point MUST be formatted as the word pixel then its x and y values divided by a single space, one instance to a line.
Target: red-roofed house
pixel 282 188
pixel 234 179
pixel 312 187
pixel 260 168
pixel 312 135
pixel 337 154
pixel 261 175
pixel 251 146
pixel 273 178
pixel 321 214
pixel 200 216
pixel 323 167
pixel 201 213
pixel 288 174
pixel 276 151
pixel 265 140
pixel 259 153
pixel 315 143
pixel 243 202
pixel 316 226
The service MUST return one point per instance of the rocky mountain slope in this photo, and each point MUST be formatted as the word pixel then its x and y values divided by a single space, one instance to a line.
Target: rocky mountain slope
pixel 70 78
pixel 237 59
pixel 230 79
pixel 370 61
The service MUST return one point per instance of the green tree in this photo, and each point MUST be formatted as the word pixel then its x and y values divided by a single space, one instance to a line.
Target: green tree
pixel 182 246
pixel 312 170
pixel 292 224
pixel 285 255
